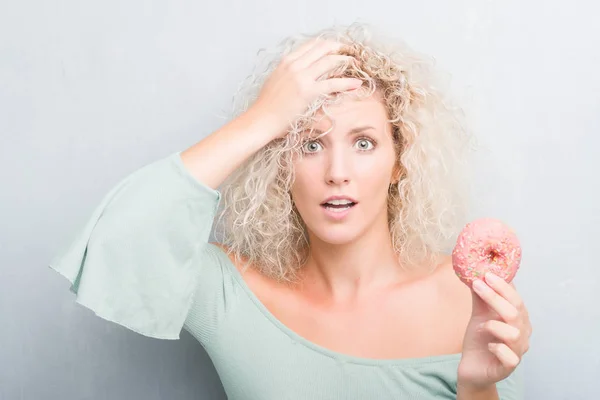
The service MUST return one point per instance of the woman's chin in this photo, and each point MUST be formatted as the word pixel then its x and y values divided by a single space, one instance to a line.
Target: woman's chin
pixel 337 237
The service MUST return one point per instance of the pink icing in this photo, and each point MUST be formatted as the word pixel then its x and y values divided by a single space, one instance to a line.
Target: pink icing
pixel 486 244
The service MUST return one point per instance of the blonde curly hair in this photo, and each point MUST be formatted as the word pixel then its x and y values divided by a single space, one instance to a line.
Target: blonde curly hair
pixel 259 224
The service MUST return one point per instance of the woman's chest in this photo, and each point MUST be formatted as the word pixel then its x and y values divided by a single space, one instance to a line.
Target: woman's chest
pixel 273 347
pixel 377 331
pixel 388 326
pixel 414 321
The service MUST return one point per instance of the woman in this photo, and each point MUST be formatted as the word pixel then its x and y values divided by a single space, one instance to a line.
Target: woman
pixel 341 196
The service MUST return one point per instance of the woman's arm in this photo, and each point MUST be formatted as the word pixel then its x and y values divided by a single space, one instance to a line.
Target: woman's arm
pixel 212 159
pixel 288 91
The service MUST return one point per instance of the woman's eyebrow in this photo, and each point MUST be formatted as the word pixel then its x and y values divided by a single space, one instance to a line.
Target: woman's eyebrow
pixel 352 131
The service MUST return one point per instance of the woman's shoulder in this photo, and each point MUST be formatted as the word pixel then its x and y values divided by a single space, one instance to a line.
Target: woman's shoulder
pixel 455 297
pixel 449 286
pixel 237 261
pixel 253 278
pixel 448 280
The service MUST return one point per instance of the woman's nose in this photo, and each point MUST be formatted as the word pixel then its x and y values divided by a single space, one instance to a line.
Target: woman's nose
pixel 338 169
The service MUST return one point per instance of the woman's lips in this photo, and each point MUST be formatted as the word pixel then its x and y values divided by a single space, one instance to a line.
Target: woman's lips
pixel 338 212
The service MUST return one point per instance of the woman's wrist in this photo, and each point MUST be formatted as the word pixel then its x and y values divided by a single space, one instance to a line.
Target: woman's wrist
pixel 265 121
pixel 470 392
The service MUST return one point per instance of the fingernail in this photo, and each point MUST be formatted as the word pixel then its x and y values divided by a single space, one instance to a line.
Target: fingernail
pixel 493 278
pixel 479 285
pixel 480 327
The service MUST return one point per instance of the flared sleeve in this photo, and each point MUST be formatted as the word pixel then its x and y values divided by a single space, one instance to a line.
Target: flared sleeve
pixel 137 259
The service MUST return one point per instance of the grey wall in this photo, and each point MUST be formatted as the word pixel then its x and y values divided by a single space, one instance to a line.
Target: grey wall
pixel 91 90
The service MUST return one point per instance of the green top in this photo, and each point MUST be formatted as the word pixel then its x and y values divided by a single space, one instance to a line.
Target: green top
pixel 142 260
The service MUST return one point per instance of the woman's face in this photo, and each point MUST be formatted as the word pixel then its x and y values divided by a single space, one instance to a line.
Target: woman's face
pixel 342 181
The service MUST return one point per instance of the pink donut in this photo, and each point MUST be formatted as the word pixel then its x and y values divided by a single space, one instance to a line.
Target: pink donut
pixel 486 244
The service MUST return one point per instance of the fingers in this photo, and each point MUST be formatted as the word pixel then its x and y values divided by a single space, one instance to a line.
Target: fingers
pixel 314 53
pixel 512 336
pixel 514 331
pixel 310 52
pixel 499 304
pixel 327 63
pixel 501 330
pixel 313 60
pixel 301 50
pixel 505 355
pixel 504 289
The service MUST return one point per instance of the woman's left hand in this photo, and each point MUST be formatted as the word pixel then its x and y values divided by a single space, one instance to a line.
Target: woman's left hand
pixel 497 335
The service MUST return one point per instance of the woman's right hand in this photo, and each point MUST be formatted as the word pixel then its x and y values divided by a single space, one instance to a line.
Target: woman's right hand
pixel 294 84
pixel 285 96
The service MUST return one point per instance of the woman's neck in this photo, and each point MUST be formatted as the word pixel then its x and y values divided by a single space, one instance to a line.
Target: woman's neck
pixel 345 273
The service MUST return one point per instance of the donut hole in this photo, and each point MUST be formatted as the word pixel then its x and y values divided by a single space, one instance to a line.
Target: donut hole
pixel 493 255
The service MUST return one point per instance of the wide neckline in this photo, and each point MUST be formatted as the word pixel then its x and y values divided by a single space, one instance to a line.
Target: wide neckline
pixel 342 357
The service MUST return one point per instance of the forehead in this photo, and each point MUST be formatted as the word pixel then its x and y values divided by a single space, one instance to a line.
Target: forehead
pixel 351 112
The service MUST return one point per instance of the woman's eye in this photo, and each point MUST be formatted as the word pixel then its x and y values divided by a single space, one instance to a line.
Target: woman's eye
pixel 311 147
pixel 364 144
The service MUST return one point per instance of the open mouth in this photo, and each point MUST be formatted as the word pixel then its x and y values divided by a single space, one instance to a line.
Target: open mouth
pixel 338 205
